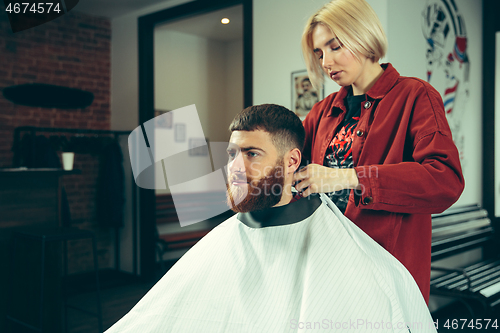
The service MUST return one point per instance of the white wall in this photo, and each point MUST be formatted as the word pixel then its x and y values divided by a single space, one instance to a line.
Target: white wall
pixel 278 26
pixel 191 70
pixel 196 70
pixel 407 49
pixel 277 30
pixel 234 89
pixel 124 70
pixel 124 67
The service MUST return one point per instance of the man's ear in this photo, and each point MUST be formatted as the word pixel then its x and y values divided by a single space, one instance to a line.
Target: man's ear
pixel 292 161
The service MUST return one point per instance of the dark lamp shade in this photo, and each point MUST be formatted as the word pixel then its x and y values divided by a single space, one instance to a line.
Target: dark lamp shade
pixel 48 96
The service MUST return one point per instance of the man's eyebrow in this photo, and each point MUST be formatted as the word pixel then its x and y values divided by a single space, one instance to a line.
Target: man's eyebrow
pixel 244 149
pixel 251 148
pixel 326 44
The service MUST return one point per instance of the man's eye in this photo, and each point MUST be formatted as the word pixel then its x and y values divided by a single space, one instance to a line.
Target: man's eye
pixel 252 154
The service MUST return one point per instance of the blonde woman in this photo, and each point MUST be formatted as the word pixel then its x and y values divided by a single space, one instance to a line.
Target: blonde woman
pixel 381 147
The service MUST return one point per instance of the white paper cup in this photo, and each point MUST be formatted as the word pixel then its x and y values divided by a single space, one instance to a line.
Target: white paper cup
pixel 67 160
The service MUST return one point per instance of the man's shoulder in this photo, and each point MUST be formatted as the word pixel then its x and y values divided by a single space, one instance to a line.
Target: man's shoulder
pixel 230 220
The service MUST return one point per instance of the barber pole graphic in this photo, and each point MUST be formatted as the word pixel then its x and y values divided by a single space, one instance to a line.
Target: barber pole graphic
pixel 447 61
pixel 449 96
pixel 459 49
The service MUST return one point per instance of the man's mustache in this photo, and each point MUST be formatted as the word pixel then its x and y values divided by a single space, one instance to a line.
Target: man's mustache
pixel 238 178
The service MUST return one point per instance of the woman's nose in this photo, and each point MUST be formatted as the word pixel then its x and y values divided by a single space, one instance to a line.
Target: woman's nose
pixel 327 61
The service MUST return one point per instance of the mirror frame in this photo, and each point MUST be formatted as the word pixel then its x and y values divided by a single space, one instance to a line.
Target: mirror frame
pixel 146 24
pixel 491 25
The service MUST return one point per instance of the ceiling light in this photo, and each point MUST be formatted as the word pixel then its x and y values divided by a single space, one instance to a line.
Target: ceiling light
pixel 225 20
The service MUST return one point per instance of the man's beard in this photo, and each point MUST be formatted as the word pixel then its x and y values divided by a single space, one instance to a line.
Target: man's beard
pixel 262 193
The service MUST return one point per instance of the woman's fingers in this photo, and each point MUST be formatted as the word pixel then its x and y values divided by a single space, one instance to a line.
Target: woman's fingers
pixel 300 179
pixel 316 178
pixel 301 185
pixel 307 179
pixel 300 175
pixel 313 188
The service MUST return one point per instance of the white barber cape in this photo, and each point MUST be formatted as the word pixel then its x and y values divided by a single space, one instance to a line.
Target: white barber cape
pixel 302 267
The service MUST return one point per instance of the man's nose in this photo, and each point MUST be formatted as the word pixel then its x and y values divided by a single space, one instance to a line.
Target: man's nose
pixel 237 164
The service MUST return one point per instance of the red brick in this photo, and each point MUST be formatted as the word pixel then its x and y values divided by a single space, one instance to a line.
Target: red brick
pixel 54 35
pixel 48 64
pixel 70 59
pixel 50 49
pixel 39 70
pixel 24 61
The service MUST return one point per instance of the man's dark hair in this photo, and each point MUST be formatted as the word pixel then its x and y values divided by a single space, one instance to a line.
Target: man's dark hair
pixel 285 127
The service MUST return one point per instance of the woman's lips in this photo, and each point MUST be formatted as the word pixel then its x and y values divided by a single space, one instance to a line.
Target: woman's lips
pixel 335 75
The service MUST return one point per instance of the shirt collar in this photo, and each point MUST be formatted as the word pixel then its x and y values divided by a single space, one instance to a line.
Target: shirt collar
pixel 383 85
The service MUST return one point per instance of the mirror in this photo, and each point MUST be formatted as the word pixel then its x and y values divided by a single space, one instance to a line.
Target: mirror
pixel 185 58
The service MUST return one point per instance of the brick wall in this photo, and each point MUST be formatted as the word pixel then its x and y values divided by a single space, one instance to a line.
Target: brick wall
pixel 72 51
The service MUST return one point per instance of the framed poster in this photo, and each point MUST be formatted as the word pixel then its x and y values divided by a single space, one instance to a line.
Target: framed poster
pixel 180 132
pixel 304 95
pixel 198 146
pixel 165 121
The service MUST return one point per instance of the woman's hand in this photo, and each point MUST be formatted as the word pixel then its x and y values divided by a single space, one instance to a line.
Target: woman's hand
pixel 315 178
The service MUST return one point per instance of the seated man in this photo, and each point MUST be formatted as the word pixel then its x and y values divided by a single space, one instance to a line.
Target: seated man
pixel 279 265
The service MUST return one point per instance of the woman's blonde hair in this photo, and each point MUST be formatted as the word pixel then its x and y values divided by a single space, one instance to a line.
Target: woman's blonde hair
pixel 356 26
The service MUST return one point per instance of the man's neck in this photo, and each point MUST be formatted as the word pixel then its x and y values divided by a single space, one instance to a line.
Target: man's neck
pixel 286 196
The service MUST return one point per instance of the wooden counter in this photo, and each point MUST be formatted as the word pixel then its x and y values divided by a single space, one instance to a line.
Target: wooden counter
pixel 30 197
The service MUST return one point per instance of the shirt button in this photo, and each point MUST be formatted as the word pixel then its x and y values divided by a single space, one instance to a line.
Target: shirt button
pixel 367 104
pixel 360 133
pixel 367 200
